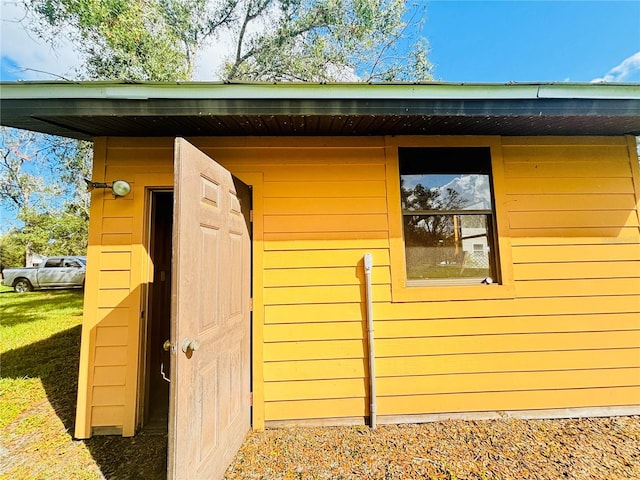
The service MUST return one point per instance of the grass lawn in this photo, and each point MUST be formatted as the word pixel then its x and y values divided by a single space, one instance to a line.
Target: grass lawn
pixel 40 342
pixel 39 348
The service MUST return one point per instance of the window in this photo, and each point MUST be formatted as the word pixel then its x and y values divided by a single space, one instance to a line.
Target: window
pixel 447 215
pixel 53 263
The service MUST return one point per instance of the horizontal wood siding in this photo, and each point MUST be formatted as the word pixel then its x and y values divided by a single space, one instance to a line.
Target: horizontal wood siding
pixel 570 337
pixel 116 277
pixel 575 317
pixel 570 332
pixel 567 336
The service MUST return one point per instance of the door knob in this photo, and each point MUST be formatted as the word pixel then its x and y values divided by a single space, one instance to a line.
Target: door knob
pixel 166 346
pixel 188 344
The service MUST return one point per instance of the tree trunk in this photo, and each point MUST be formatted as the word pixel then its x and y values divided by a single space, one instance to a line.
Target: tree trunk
pixel 28 255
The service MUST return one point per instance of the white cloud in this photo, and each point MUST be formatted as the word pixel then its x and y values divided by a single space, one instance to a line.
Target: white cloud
pixel 36 59
pixel 628 68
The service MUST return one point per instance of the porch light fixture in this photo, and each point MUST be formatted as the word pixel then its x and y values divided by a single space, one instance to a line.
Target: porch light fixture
pixel 120 188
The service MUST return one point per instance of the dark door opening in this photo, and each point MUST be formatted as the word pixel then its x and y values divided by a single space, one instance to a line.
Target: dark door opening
pixel 158 359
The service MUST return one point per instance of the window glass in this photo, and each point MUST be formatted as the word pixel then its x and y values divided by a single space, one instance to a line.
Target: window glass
pixel 446 192
pixel 447 212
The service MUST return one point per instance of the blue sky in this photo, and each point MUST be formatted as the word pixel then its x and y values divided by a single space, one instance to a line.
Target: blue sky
pixel 503 41
pixel 471 41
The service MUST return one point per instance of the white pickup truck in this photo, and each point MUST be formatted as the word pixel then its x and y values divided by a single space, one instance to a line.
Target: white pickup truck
pixel 53 272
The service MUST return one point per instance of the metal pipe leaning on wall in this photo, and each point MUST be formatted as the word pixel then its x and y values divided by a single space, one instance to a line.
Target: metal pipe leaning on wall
pixel 368 265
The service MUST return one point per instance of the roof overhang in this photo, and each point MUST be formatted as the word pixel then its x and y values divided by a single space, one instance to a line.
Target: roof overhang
pixel 88 109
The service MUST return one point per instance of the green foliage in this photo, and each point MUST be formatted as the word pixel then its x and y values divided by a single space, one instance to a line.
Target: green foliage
pixel 47 233
pixel 271 40
pixel 122 39
pixel 41 179
pixel 12 250
pixel 194 22
pixel 328 40
pixel 55 233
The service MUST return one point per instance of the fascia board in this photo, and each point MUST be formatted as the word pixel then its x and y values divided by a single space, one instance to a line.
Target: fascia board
pixel 591 91
pixel 197 90
pixel 263 91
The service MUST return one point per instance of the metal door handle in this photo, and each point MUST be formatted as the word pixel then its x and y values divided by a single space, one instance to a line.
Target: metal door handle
pixel 166 346
pixel 164 377
pixel 188 344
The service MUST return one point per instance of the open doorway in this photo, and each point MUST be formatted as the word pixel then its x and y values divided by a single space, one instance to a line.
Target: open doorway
pixel 158 360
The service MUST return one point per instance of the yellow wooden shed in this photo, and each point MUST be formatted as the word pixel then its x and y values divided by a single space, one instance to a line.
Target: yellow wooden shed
pixel 336 254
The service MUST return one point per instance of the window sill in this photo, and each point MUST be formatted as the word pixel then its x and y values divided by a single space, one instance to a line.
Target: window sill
pixel 434 293
pixel 445 282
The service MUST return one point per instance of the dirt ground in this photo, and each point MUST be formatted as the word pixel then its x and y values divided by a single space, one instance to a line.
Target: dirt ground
pixel 589 448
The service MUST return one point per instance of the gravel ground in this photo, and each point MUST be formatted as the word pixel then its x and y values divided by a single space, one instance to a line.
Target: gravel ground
pixel 588 448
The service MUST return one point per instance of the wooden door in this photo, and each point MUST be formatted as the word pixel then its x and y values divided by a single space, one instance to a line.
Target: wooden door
pixel 209 413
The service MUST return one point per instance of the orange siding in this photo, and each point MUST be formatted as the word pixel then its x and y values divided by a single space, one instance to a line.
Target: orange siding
pixel 564 332
pixel 571 212
pixel 569 330
pixel 116 276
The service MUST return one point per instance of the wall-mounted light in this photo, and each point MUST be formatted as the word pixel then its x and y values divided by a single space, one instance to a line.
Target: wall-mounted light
pixel 120 188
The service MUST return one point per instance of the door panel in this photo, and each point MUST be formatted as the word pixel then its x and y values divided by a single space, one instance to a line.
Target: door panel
pixel 52 274
pixel 210 384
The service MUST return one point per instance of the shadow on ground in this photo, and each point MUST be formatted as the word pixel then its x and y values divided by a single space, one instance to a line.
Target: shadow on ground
pixel 55 361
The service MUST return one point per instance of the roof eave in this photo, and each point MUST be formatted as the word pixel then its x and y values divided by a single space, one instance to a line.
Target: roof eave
pixel 86 110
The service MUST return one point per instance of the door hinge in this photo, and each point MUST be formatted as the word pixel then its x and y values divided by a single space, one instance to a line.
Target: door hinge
pixel 251 399
pixel 251 304
pixel 251 216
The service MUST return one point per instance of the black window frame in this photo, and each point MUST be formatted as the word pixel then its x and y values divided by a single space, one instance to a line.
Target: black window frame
pixel 451 161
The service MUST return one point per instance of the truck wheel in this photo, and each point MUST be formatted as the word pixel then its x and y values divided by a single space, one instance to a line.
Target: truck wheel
pixel 22 285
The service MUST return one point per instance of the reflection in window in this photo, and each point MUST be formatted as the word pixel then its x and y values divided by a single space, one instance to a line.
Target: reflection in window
pixel 447 215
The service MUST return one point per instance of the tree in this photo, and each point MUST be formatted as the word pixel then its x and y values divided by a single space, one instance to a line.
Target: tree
pixel 41 181
pixel 326 40
pixel 271 40
pixel 21 170
pixel 38 170
pixel 49 233
pixel 11 250
pixel 118 39
pixel 429 229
